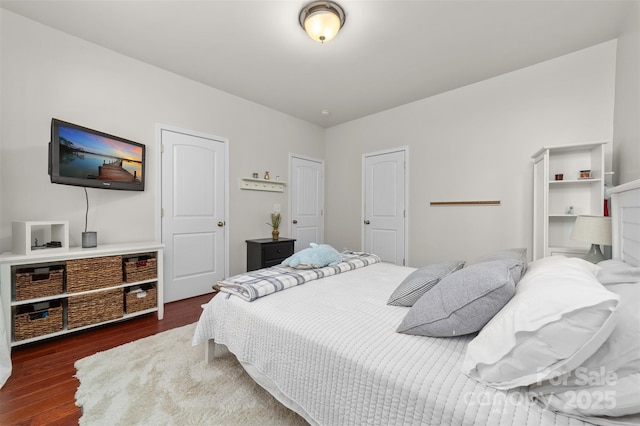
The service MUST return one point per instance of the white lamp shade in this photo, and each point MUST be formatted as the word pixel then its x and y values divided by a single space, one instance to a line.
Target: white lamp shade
pixel 592 229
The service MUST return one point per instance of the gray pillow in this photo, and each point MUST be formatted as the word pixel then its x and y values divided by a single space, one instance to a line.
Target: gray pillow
pixel 420 281
pixel 464 301
pixel 515 254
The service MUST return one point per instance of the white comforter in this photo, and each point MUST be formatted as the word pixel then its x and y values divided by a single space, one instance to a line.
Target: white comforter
pixel 331 350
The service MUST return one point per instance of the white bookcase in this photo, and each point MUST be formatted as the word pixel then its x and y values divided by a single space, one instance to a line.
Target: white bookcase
pixel 66 301
pixel 557 202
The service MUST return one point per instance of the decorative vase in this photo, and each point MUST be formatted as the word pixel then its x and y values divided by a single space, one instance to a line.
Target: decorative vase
pixel 266 176
pixel 275 234
pixel 89 239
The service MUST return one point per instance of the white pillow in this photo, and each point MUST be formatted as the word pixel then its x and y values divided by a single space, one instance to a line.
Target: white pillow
pixel 615 271
pixel 559 316
pixel 608 383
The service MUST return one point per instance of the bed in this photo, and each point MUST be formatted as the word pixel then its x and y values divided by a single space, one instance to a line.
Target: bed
pixel 330 351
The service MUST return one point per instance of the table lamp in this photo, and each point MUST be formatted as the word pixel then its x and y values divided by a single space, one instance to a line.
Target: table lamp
pixel 595 230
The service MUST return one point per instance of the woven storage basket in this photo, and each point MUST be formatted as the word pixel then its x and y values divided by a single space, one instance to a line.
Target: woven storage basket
pixel 93 308
pixel 140 268
pixel 34 323
pixel 133 303
pixel 30 284
pixel 93 273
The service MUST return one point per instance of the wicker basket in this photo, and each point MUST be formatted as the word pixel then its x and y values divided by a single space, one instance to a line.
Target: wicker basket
pixel 31 284
pixel 94 308
pixel 29 322
pixel 140 268
pixel 135 301
pixel 93 273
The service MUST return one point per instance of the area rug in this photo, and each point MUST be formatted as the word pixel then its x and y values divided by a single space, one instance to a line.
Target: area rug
pixel 163 380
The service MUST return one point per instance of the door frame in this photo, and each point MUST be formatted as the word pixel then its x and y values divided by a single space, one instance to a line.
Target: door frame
pixel 322 209
pixel 159 149
pixel 404 149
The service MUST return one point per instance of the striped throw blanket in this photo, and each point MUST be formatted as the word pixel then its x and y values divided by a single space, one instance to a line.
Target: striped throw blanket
pixel 252 285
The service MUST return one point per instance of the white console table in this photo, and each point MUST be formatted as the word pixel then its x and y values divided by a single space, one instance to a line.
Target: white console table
pixel 10 263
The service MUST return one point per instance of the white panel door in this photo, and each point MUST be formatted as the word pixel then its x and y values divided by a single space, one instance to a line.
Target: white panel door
pixel 384 205
pixel 193 204
pixel 307 201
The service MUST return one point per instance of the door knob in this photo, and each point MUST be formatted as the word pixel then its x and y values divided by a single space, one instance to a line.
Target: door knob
pixel 367 222
pixel 295 221
pixel 221 224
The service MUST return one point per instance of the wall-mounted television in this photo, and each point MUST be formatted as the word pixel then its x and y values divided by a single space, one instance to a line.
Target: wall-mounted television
pixel 84 157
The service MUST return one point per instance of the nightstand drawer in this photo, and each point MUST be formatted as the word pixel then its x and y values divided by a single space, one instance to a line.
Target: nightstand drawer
pixel 277 251
pixel 270 263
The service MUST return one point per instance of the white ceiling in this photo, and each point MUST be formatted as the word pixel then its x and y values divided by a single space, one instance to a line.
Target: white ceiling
pixel 389 52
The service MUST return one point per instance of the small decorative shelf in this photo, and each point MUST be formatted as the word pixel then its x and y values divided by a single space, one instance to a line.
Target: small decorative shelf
pixel 25 234
pixel 262 185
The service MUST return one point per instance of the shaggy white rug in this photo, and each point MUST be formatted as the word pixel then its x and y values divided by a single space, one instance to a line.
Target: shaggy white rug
pixel 163 380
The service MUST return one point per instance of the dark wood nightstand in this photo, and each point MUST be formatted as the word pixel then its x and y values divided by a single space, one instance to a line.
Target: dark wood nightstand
pixel 265 252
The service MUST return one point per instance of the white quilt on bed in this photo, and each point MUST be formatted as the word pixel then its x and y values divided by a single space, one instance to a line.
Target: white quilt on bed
pixel 330 346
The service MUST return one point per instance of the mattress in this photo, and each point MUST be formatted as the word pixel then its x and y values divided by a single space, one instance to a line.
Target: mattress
pixel 329 350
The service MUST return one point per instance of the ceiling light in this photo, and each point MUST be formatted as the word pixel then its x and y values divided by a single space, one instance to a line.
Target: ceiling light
pixel 322 20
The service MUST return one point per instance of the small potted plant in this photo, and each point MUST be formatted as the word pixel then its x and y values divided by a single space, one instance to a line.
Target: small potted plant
pixel 275 224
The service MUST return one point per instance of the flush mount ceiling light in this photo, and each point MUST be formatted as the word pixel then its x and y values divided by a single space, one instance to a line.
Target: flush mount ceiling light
pixel 322 20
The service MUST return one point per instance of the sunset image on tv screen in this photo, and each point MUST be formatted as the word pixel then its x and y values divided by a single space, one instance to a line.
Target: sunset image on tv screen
pixel 86 155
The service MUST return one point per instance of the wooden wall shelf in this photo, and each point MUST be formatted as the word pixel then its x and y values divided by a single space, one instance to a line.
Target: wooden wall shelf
pixel 466 203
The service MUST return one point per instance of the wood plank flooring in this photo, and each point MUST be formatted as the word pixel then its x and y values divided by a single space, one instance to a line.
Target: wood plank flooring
pixel 41 389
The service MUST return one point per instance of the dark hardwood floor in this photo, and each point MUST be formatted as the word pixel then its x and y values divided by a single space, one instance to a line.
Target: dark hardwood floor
pixel 41 389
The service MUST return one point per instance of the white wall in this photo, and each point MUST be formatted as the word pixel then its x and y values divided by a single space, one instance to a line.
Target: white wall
pixel 473 143
pixel 468 144
pixel 46 73
pixel 626 130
